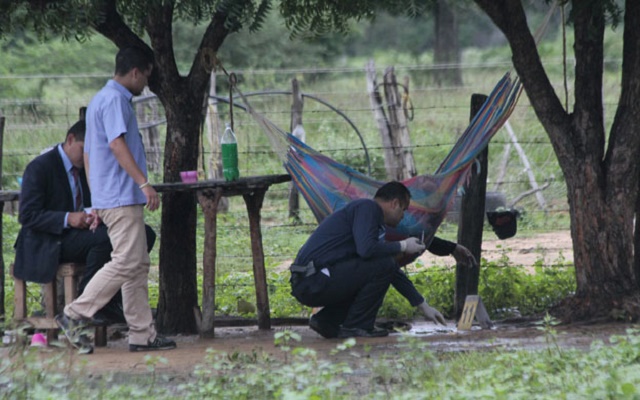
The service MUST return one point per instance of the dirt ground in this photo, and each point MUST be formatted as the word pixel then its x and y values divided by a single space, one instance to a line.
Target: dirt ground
pixel 507 334
pixel 548 247
pixel 191 351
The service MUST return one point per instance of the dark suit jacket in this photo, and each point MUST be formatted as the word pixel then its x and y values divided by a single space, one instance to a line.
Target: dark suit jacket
pixel 45 198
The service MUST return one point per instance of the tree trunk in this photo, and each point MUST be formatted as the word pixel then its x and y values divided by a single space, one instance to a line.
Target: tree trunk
pixel 178 283
pixel 446 52
pixel 602 176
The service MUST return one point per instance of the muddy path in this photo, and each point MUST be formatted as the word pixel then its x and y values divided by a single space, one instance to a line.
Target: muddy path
pixel 191 351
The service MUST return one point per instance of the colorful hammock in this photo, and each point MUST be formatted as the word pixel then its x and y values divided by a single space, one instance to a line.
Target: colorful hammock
pixel 328 185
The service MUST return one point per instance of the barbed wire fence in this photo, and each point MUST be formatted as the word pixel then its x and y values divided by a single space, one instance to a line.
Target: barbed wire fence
pixel 440 114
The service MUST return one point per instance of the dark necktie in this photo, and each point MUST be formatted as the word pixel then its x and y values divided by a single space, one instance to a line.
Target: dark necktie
pixel 78 191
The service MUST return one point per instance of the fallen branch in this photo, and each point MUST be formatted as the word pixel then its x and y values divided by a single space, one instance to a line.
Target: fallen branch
pixel 529 192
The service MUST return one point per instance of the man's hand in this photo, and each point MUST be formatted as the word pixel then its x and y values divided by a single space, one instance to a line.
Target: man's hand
pixel 78 220
pixel 93 220
pixel 153 201
pixel 412 246
pixel 464 257
pixel 431 313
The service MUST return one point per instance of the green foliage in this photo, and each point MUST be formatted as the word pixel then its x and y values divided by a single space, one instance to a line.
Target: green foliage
pixel 77 19
pixel 411 370
pixel 506 290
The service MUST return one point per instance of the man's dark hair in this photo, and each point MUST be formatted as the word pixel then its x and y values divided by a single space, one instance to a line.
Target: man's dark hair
pixel 129 58
pixel 394 190
pixel 78 130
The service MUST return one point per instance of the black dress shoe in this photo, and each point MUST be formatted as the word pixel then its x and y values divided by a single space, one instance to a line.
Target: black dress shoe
pixel 344 333
pixel 159 343
pixel 324 329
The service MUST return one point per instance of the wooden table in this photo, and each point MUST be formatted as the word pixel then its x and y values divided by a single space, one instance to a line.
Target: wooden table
pixel 9 195
pixel 252 189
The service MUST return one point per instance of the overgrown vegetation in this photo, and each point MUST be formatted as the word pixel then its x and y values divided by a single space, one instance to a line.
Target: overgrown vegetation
pixel 506 289
pixel 411 370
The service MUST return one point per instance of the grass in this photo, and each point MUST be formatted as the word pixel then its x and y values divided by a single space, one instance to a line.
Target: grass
pixel 408 370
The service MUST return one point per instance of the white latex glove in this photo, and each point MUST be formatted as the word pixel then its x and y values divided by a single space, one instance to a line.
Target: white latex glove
pixel 431 313
pixel 412 246
pixel 464 257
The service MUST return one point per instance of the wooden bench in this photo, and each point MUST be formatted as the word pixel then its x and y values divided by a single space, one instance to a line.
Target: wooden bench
pixel 69 273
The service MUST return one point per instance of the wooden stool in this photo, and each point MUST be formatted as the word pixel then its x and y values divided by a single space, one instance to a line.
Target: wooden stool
pixel 69 272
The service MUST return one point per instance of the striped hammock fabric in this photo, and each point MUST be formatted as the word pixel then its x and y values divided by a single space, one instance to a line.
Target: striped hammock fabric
pixel 327 185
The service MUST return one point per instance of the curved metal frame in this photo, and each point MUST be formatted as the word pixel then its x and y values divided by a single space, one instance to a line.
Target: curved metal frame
pixel 319 100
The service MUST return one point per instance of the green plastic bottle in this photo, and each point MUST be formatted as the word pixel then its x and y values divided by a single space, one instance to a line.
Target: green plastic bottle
pixel 229 147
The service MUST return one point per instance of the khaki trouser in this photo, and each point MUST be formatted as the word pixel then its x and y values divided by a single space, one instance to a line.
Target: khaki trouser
pixel 128 270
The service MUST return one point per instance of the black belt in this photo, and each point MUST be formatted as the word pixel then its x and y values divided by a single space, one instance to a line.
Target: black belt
pixel 305 270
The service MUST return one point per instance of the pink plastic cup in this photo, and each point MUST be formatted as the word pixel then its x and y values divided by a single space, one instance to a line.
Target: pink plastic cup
pixel 189 176
pixel 38 340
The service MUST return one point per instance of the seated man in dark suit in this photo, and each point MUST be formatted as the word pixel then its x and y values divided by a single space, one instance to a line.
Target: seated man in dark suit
pixel 54 198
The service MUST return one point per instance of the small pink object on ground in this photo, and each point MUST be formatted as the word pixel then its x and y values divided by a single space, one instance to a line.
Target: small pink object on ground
pixel 38 340
pixel 189 176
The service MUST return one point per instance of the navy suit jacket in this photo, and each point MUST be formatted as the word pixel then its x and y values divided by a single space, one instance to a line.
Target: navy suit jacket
pixel 45 198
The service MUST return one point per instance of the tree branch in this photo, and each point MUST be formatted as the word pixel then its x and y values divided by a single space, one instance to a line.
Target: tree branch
pixel 212 39
pixel 111 25
pixel 159 27
pixel 510 18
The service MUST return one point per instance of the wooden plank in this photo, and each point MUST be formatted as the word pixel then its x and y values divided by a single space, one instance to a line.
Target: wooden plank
pixel 19 298
pixel 238 187
pixel 50 302
pixel 254 203
pixel 9 195
pixel 209 206
pixel 42 323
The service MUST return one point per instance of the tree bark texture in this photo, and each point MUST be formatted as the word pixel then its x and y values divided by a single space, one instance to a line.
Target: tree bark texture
pixel 602 174
pixel 446 52
pixel 183 99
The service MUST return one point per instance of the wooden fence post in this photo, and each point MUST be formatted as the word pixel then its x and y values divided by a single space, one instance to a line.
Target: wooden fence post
pixel 214 129
pixel 471 221
pixel 295 129
pixel 390 162
pixel 214 132
pixel 149 129
pixel 400 139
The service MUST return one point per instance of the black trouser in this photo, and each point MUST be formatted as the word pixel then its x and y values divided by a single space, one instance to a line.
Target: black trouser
pixel 94 249
pixel 351 295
